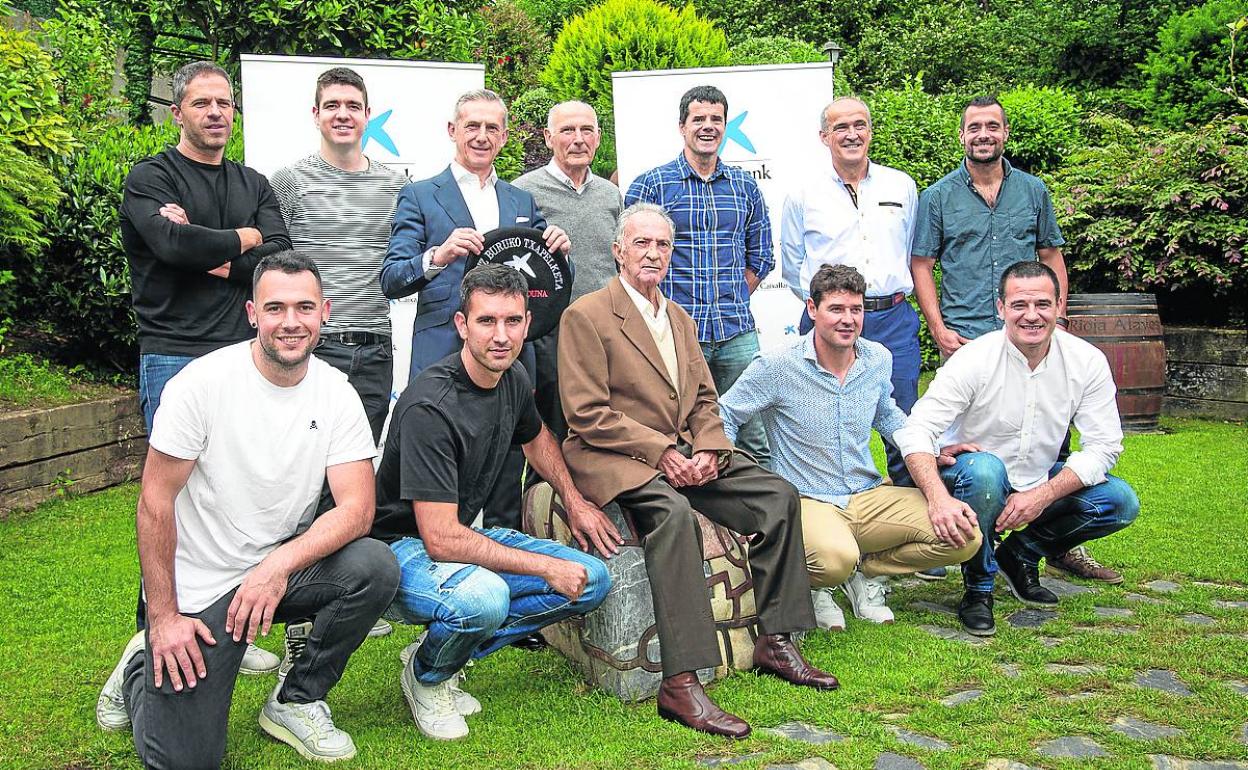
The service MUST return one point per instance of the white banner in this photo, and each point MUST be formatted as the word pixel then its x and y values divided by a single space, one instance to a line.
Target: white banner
pixel 773 133
pixel 411 104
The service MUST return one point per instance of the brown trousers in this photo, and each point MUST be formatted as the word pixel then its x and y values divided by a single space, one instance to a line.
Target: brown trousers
pixel 747 500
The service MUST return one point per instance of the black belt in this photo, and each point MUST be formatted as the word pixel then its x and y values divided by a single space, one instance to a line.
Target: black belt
pixel 357 338
pixel 871 304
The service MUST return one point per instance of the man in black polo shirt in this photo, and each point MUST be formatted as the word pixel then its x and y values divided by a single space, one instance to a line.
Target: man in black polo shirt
pixel 477 590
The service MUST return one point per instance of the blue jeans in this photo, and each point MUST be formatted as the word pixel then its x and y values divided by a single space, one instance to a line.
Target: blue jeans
pixel 471 611
pixel 156 369
pixel 979 480
pixel 727 359
pixel 896 328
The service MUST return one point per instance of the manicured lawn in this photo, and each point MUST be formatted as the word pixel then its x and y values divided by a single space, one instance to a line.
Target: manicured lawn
pixel 68 575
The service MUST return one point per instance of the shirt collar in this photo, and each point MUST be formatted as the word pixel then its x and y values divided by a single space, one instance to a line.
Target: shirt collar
pixel 1006 168
pixel 837 176
pixel 686 170
pixel 808 352
pixel 462 175
pixel 641 302
pixel 1013 352
pixel 553 169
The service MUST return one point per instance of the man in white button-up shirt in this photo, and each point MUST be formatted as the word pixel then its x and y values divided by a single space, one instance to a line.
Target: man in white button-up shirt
pixel 860 214
pixel 993 420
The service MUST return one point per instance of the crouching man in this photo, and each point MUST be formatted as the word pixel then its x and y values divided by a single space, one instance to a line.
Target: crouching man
pixel 228 544
pixel 476 589
pixel 819 400
pixel 1001 405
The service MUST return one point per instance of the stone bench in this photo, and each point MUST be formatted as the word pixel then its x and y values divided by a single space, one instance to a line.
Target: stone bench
pixel 617 646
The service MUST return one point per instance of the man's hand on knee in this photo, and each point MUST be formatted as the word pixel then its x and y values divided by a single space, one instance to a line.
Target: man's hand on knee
pixel 680 471
pixel 953 521
pixel 949 454
pixel 255 601
pixel 568 578
pixel 175 650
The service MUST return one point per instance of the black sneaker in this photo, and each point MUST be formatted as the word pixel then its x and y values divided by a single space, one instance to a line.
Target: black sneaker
pixel 975 612
pixel 1023 579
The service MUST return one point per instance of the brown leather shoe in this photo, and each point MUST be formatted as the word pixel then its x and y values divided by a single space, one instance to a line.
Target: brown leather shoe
pixel 682 699
pixel 776 654
pixel 1079 563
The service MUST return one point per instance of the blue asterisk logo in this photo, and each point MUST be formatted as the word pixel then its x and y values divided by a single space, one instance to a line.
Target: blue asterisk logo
pixel 734 132
pixel 376 130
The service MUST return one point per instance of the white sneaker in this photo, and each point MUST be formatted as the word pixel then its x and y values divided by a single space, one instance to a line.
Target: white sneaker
pixel 296 639
pixel 309 728
pixel 465 704
pixel 110 707
pixel 381 628
pixel 828 615
pixel 258 660
pixel 866 597
pixel 433 707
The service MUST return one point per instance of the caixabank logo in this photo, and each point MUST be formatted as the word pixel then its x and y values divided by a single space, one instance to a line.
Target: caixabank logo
pixel 735 145
pixel 376 131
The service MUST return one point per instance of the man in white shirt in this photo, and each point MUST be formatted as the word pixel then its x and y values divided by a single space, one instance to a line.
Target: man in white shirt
pixel 229 541
pixel 860 214
pixel 994 420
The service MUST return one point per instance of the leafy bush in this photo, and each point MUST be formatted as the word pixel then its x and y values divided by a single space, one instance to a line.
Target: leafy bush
pixel 550 15
pixel 915 131
pixel 516 49
pixel 774 50
pixel 30 112
pixel 85 47
pixel 1150 209
pixel 1188 73
pixel 1046 126
pixel 28 191
pixel 624 35
pixel 949 44
pixel 528 118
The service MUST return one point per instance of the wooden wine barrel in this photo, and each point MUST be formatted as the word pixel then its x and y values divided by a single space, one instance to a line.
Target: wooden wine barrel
pixel 1126 328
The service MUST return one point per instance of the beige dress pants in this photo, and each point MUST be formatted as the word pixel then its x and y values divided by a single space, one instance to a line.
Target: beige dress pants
pixel 886 529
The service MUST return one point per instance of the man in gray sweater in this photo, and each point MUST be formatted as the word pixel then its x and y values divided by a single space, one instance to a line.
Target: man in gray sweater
pixel 587 207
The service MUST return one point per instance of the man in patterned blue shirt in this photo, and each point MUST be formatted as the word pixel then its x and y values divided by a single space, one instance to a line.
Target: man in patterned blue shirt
pixel 818 401
pixel 722 247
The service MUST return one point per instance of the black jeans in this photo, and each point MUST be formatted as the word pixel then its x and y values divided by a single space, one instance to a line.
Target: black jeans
pixel 369 369
pixel 344 593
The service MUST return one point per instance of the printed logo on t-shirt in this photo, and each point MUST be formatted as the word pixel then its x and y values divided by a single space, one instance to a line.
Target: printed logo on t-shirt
pixel 312 426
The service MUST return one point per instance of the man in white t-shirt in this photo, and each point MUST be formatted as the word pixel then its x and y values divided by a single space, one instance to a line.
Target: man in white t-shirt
pixel 228 543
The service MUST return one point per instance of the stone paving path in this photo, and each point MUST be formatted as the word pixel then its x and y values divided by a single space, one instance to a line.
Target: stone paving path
pixel 1072 747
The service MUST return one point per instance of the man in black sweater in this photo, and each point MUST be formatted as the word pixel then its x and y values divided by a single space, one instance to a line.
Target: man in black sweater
pixel 194 225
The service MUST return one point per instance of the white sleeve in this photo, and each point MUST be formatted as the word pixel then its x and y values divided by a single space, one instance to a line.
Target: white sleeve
pixel 793 245
pixel 352 438
pixel 1100 431
pixel 181 425
pixel 949 396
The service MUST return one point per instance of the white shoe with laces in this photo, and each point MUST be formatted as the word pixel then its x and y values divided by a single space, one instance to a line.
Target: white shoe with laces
pixel 296 639
pixel 381 628
pixel 110 707
pixel 258 660
pixel 828 615
pixel 433 707
pixel 465 704
pixel 867 597
pixel 309 728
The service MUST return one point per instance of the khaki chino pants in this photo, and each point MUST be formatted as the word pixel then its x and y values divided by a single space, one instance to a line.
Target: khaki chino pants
pixel 886 529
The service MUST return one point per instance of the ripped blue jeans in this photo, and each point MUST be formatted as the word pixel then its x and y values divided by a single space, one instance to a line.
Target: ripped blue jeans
pixel 979 479
pixel 472 612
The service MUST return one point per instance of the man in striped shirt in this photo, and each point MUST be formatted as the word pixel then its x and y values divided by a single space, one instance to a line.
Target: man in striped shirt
pixel 338 205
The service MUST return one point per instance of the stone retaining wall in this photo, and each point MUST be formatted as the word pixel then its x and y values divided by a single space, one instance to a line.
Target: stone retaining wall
pixel 1206 372
pixel 76 448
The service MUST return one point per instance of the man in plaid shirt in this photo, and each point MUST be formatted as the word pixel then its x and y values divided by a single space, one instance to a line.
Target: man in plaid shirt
pixel 722 246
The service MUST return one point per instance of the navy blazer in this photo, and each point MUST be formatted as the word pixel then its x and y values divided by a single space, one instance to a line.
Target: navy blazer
pixel 426 214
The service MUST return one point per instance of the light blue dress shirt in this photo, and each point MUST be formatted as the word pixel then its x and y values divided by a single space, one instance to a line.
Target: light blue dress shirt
pixel 819 428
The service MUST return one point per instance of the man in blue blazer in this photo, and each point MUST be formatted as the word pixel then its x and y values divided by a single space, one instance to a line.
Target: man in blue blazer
pixel 439 222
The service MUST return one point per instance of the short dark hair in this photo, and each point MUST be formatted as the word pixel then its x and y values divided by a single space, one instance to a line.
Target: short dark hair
pixel 188 72
pixel 289 262
pixel 986 100
pixel 833 278
pixel 489 278
pixel 1029 268
pixel 340 76
pixel 708 94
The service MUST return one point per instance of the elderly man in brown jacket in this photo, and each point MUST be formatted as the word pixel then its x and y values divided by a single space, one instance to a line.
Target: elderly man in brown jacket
pixel 645 431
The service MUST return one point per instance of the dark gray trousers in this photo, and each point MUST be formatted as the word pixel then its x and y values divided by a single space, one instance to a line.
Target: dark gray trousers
pixel 344 593
pixel 749 501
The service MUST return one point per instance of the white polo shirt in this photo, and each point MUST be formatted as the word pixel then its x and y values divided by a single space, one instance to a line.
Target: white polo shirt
pixel 821 225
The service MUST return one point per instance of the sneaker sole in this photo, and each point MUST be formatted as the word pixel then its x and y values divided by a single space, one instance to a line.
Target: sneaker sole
pixel 1061 572
pixel 259 672
pixel 979 631
pixel 285 736
pixel 931 578
pixel 379 631
pixel 1029 602
pixel 411 705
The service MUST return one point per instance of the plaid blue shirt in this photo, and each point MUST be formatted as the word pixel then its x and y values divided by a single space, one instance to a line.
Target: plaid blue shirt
pixel 722 228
